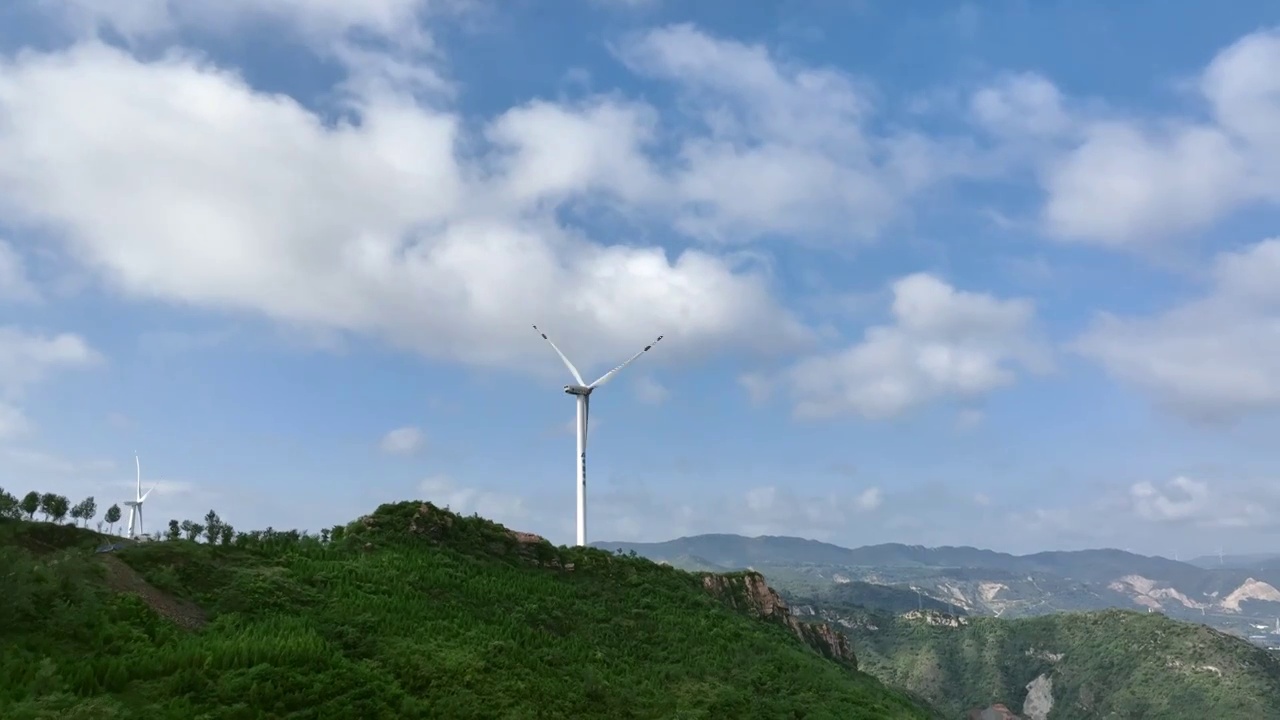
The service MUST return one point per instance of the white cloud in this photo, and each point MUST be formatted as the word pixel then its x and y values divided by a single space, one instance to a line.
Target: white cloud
pixel 1216 357
pixel 14 285
pixel 506 508
pixel 1130 181
pixel 402 441
pixel 26 357
pixel 1183 498
pixel 1186 500
pixel 786 149
pixel 870 499
pixel 13 422
pixel 187 186
pixel 943 343
pixel 553 152
pixel 1123 185
pixel 1024 105
pixel 316 20
pixel 650 391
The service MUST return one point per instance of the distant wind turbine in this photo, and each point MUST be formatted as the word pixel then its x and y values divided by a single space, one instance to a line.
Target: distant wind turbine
pixel 582 391
pixel 135 505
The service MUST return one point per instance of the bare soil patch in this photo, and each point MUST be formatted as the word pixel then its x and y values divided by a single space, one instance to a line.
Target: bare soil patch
pixel 122 578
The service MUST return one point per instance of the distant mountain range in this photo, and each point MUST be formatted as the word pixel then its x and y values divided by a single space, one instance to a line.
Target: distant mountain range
pixel 1243 599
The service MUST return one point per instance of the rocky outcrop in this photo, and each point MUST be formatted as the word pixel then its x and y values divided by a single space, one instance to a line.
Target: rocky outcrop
pixel 995 712
pixel 1039 702
pixel 748 592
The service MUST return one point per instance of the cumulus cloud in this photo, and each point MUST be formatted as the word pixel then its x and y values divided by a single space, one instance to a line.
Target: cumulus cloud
pixel 1214 358
pixel 188 186
pixel 321 21
pixel 787 150
pixel 943 342
pixel 27 357
pixel 1135 181
pixel 402 441
pixel 1187 500
pixel 506 508
pixel 1021 105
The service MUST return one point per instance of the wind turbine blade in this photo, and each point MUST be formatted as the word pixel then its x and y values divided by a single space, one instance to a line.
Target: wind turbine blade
pixel 576 375
pixel 145 494
pixel 609 375
pixel 586 420
pixel 138 485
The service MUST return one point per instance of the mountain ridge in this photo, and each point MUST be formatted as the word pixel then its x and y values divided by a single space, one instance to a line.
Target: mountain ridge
pixel 996 583
pixel 410 611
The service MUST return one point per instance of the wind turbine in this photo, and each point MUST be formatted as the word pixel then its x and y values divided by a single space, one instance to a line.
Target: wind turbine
pixel 135 505
pixel 582 392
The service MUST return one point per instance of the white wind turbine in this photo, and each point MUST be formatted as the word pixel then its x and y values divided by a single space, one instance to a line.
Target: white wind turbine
pixel 135 505
pixel 582 391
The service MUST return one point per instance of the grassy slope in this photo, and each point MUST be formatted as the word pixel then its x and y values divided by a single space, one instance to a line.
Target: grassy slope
pixel 409 616
pixel 1114 664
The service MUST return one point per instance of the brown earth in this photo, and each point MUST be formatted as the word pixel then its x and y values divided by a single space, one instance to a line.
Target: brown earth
pixel 124 579
pixel 995 712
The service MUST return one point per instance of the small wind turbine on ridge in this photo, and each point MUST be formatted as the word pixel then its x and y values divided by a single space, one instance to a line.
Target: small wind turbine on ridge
pixel 135 505
pixel 582 393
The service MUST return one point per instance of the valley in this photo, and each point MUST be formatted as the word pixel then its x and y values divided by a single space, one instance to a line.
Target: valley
pixel 1241 600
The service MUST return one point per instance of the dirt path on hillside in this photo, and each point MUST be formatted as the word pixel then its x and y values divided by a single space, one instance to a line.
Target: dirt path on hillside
pixel 122 578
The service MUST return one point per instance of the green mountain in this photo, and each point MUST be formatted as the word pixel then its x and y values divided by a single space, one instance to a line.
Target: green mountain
pixel 1108 664
pixel 985 582
pixel 880 598
pixel 411 612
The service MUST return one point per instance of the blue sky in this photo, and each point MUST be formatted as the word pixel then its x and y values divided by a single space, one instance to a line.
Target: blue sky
pixel 963 274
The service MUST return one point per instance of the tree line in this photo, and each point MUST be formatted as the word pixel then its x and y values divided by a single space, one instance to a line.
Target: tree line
pixel 55 508
pixel 213 530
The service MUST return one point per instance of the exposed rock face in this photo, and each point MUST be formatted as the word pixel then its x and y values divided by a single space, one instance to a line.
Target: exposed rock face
pixel 995 712
pixel 1250 590
pixel 933 617
pixel 526 537
pixel 1039 700
pixel 749 592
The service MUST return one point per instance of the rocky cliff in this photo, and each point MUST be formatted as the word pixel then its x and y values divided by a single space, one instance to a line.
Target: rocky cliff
pixel 748 592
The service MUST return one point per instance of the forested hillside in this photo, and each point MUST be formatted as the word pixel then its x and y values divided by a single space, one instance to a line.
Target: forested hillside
pixel 1072 666
pixel 411 612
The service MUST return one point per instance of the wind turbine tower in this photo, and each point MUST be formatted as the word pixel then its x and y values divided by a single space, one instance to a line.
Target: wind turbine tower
pixel 582 393
pixel 135 505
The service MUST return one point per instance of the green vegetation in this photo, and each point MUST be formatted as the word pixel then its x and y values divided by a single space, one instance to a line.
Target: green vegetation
pixel 882 598
pixel 1106 664
pixel 411 612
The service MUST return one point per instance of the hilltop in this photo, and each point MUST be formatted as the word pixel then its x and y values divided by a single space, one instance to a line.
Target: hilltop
pixel 409 612
pixel 1111 663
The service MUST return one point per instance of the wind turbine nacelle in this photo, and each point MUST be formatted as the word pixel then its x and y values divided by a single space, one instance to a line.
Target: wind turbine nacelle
pixel 577 390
